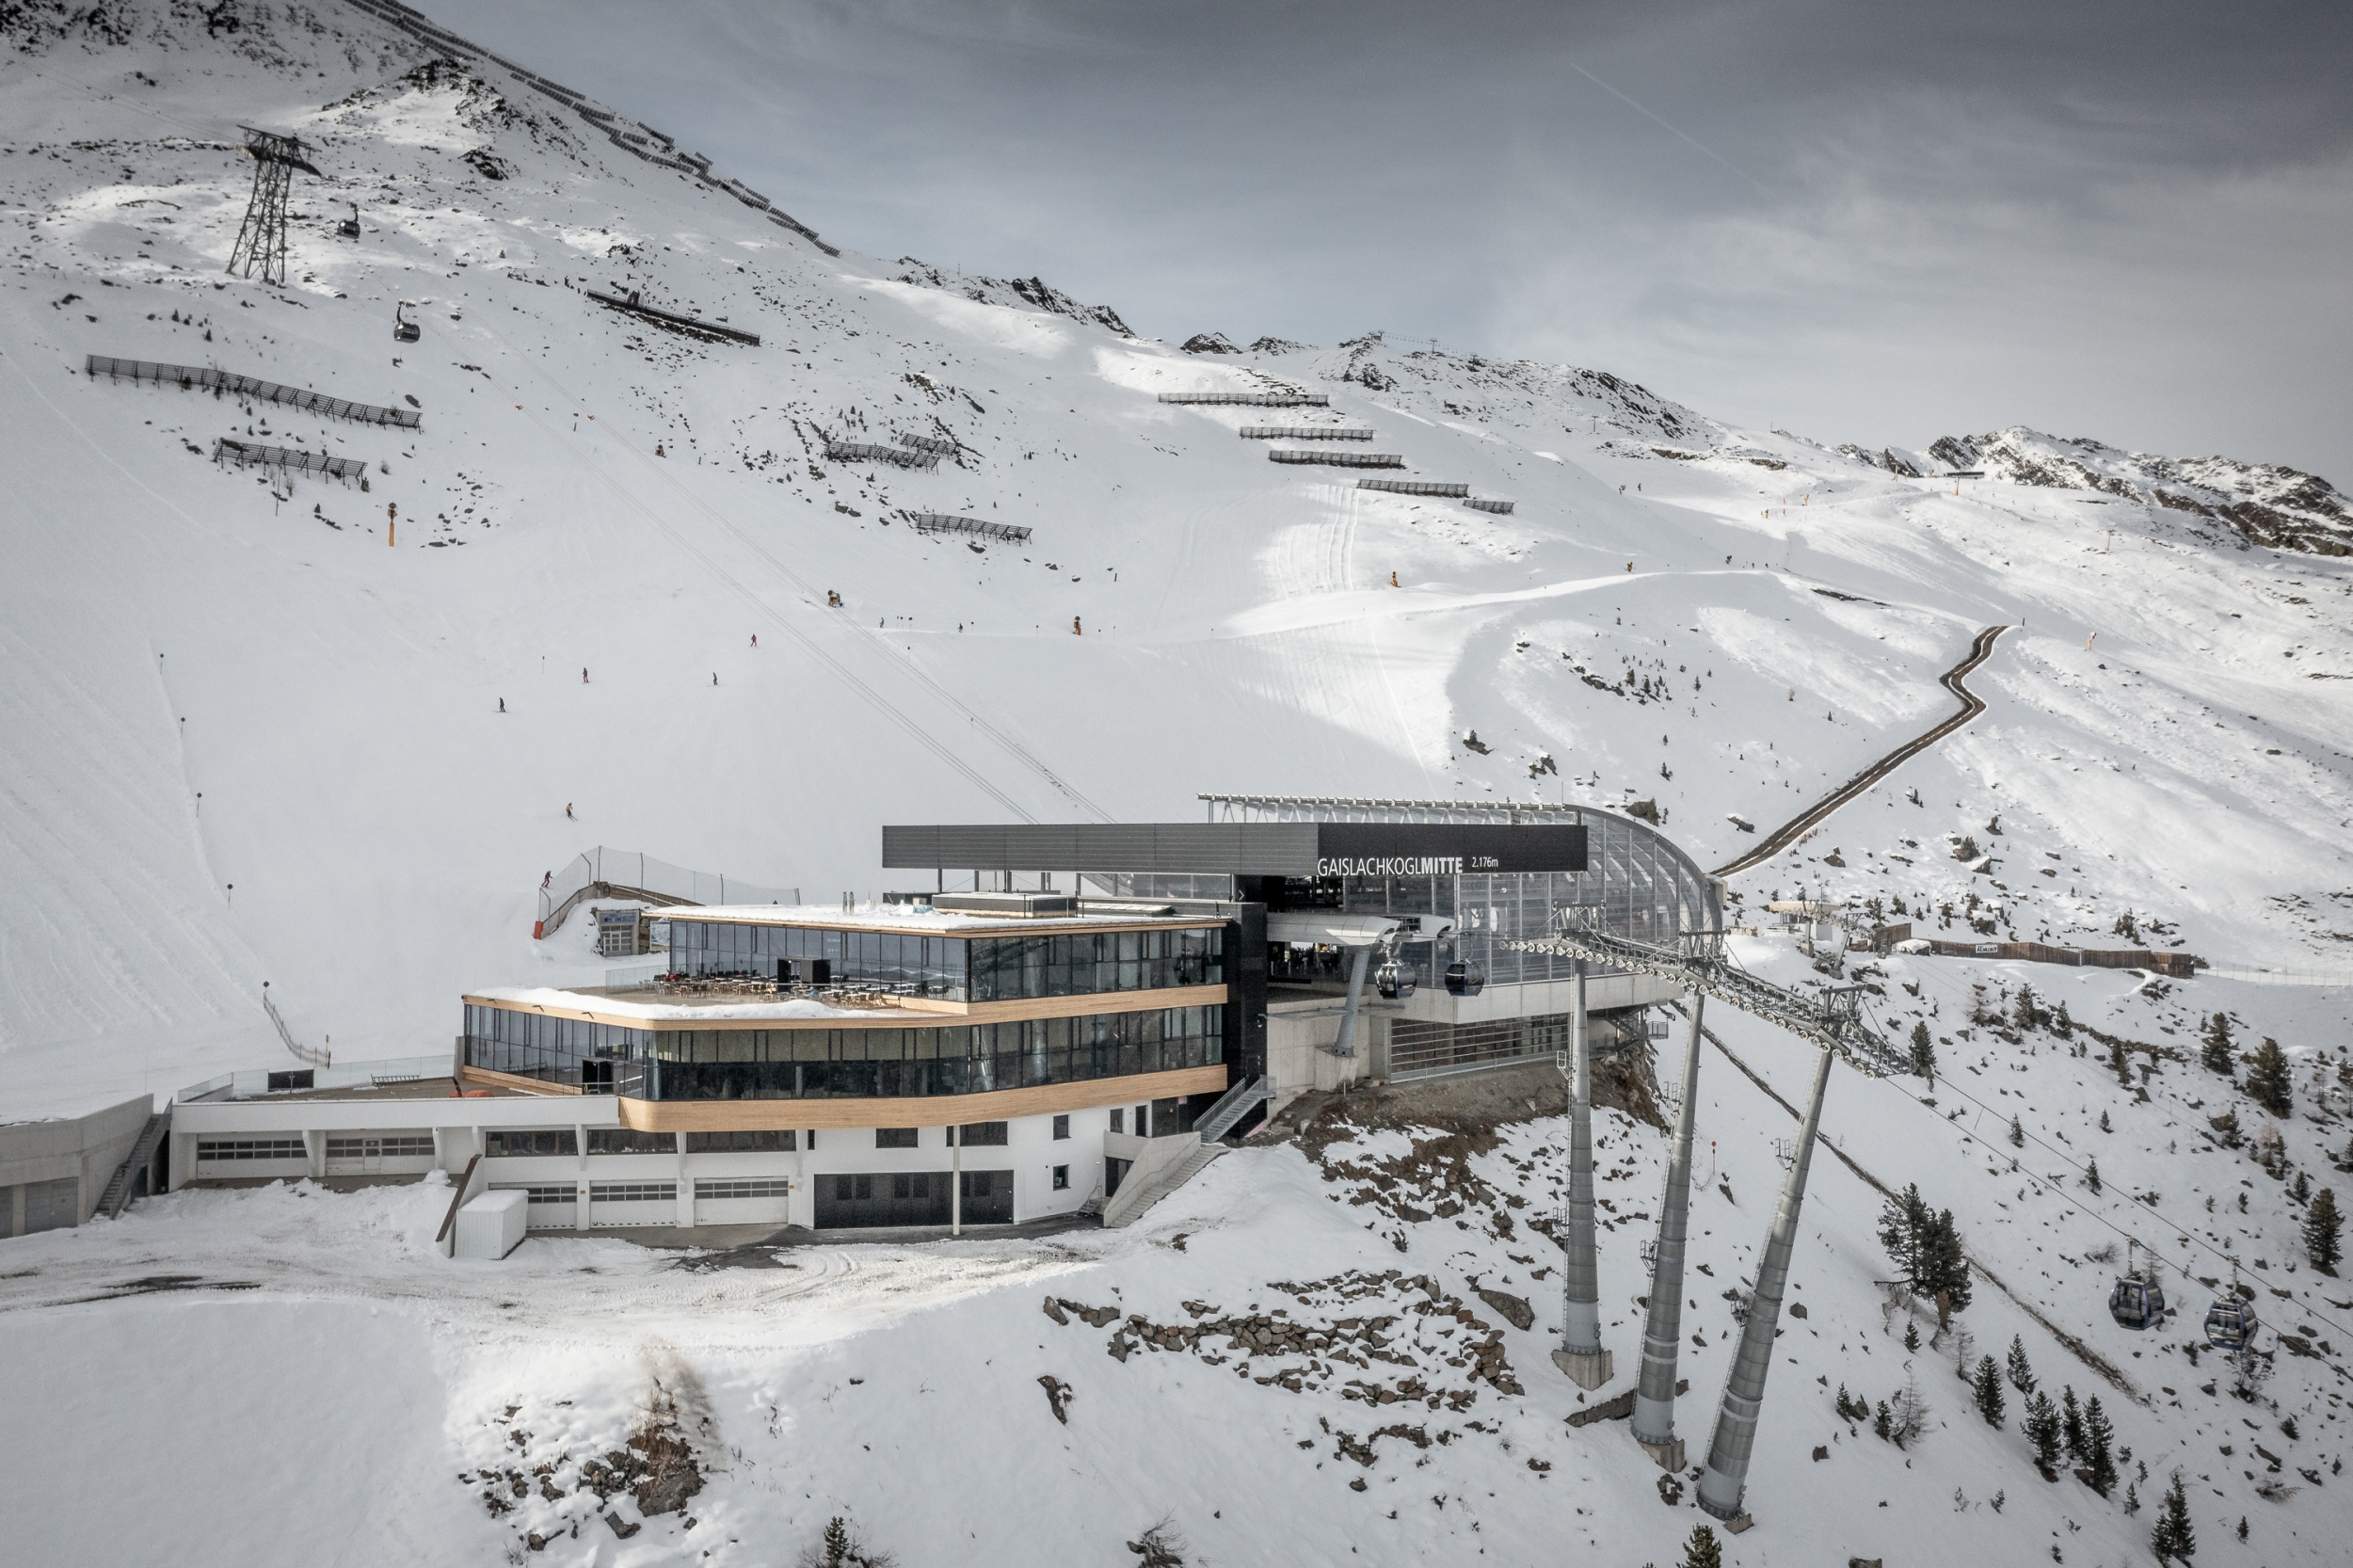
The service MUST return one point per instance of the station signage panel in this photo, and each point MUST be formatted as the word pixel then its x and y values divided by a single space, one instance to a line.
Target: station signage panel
pixel 1416 849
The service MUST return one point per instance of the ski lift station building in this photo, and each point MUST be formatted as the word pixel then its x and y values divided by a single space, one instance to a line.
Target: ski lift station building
pixel 1065 1018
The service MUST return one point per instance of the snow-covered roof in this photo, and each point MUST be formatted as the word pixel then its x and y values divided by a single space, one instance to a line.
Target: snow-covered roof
pixel 549 997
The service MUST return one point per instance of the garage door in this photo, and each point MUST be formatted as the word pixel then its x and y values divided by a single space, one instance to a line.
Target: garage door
pixel 753 1201
pixel 547 1208
pixel 632 1202
pixel 380 1153
pixel 252 1157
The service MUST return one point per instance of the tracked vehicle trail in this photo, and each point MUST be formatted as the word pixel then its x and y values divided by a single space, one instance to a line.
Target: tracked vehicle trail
pixel 1971 705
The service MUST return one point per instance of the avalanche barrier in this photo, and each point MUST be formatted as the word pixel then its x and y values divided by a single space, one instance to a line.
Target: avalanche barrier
pixel 1489 503
pixel 1341 460
pixel 1302 432
pixel 248 386
pixel 906 457
pixel 1414 487
pixel 928 443
pixel 684 324
pixel 1255 400
pixel 944 522
pixel 247 452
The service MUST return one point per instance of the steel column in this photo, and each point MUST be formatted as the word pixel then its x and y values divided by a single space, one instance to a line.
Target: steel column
pixel 1662 1333
pixel 1728 1450
pixel 1358 962
pixel 1580 1354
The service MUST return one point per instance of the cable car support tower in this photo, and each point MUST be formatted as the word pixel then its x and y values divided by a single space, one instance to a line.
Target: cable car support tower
pixel 262 239
pixel 1833 1022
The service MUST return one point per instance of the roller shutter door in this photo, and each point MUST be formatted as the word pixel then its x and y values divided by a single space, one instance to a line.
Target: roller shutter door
pixel 547 1208
pixel 742 1201
pixel 632 1202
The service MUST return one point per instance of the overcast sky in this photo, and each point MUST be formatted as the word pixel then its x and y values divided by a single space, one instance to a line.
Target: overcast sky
pixel 1868 222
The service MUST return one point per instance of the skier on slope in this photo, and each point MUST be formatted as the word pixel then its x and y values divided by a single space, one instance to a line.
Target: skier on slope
pixel 568 811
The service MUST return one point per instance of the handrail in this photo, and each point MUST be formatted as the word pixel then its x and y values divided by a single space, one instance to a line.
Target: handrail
pixel 455 1199
pixel 1699 962
pixel 316 1057
pixel 1231 1107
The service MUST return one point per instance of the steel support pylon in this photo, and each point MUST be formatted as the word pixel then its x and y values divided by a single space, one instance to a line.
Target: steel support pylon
pixel 1358 962
pixel 1580 1354
pixel 1734 1439
pixel 1662 1331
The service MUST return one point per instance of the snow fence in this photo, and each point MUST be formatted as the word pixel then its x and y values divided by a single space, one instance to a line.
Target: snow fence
pixel 1414 487
pixel 1340 459
pixel 249 386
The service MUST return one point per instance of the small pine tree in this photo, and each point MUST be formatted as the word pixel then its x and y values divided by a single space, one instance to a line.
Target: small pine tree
pixel 2104 1123
pixel 2132 1500
pixel 1702 1552
pixel 837 1542
pixel 2217 1051
pixel 2021 1370
pixel 2118 1063
pixel 2242 1527
pixel 2092 1174
pixel 2267 1080
pixel 1912 1336
pixel 2042 1427
pixel 2321 1223
pixel 2022 1013
pixel 2301 1188
pixel 2174 1540
pixel 1922 1051
pixel 1989 1389
pixel 2071 1425
pixel 1846 1403
pixel 1882 1424
pixel 2017 1134
pixel 2098 1435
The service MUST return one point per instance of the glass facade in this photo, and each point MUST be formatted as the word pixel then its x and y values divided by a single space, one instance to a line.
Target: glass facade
pixel 953 969
pixel 820 1064
pixel 962 1059
pixel 1077 964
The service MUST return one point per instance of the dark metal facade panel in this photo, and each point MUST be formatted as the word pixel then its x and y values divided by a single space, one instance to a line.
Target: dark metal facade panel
pixel 1245 849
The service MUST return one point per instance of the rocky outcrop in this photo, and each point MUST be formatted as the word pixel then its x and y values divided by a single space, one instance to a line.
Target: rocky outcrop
pixel 2264 504
pixel 1036 293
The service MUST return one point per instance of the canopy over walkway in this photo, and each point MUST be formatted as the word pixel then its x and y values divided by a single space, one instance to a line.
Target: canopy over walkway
pixel 246 453
pixel 248 386
pixel 944 522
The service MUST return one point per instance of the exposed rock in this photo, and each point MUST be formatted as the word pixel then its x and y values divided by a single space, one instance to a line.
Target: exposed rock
pixel 1209 342
pixel 1513 1309
pixel 1059 1395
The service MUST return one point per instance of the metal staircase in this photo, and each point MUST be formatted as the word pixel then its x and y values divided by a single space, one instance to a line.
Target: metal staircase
pixel 121 1186
pixel 1231 1107
pixel 1130 1204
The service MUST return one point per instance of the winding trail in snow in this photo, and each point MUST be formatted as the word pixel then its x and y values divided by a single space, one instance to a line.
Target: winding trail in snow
pixel 1971 705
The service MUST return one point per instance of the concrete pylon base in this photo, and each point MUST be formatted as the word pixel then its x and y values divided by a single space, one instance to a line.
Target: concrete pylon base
pixel 1667 1455
pixel 1586 1368
pixel 1738 1524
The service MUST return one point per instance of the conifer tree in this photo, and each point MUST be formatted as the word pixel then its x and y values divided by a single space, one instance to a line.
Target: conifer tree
pixel 2216 1051
pixel 2098 1437
pixel 2017 1134
pixel 1989 1389
pixel 1912 1336
pixel 2071 1425
pixel 2267 1080
pixel 2042 1427
pixel 2172 1540
pixel 1922 1051
pixel 2021 1370
pixel 2092 1174
pixel 2023 1014
pixel 1703 1551
pixel 2321 1223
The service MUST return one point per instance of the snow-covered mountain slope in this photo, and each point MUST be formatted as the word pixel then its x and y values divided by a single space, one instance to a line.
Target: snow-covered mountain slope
pixel 251 733
pixel 2264 503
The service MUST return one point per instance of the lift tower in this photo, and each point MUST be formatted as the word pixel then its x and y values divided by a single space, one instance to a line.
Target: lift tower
pixel 261 239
